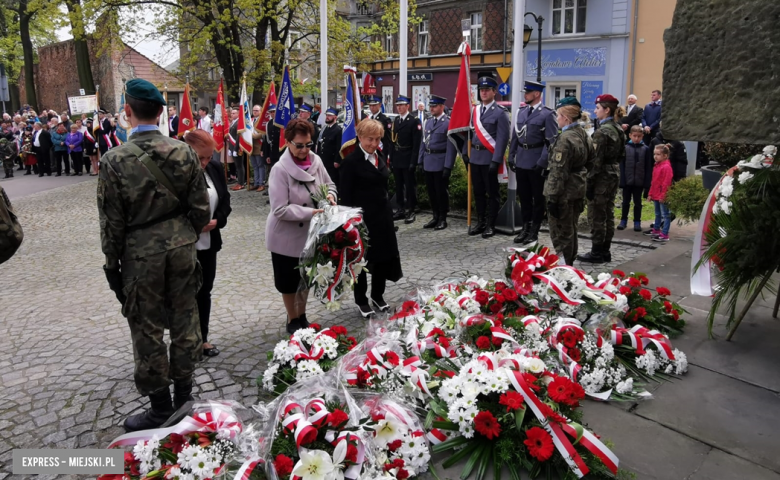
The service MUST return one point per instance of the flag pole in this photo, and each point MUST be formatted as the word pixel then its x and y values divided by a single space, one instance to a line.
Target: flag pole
pixel 95 121
pixel 468 186
pixel 246 155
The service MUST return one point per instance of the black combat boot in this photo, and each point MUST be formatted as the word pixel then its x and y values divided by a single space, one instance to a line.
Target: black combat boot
pixel 605 251
pixel 434 221
pixel 161 409
pixel 520 238
pixel 442 223
pixel 479 227
pixel 182 393
pixel 490 229
pixel 410 217
pixel 533 234
pixel 7 175
pixel 594 256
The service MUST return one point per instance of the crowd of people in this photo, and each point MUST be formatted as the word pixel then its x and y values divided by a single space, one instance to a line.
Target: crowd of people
pixel 49 143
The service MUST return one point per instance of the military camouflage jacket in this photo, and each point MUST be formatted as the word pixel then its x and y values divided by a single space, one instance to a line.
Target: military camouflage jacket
pixel 138 215
pixel 610 143
pixel 571 157
pixel 11 234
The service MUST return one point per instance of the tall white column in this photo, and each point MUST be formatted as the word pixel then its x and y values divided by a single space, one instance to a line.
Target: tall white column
pixel 323 57
pixel 403 33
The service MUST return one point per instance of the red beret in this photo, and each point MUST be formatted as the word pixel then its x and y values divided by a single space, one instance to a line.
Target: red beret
pixel 606 98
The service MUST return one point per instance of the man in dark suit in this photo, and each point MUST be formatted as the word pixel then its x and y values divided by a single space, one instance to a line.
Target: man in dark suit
pixel 375 105
pixel 633 114
pixel 420 113
pixel 173 122
pixel 305 114
pixel 329 145
pixel 406 134
pixel 104 132
pixel 651 116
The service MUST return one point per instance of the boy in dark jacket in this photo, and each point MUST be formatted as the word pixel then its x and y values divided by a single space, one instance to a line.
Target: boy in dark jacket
pixel 636 174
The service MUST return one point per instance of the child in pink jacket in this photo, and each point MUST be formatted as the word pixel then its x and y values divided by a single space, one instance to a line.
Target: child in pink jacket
pixel 662 180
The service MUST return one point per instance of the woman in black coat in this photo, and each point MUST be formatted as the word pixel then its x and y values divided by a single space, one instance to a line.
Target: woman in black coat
pixel 363 183
pixel 210 239
pixel 44 151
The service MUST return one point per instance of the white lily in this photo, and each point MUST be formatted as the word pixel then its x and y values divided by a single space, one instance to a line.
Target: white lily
pixel 325 273
pixel 314 465
pixel 387 430
pixel 359 266
pixel 333 306
pixel 339 455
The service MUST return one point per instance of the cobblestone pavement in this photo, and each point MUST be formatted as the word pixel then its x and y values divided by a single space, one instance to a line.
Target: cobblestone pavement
pixel 66 365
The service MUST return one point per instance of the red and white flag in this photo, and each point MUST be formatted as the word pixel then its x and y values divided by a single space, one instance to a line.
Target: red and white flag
pixel 220 119
pixel 265 117
pixel 460 118
pixel 244 122
pixel 186 121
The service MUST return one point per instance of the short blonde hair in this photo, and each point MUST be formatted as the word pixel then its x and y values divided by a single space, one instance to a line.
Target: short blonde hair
pixel 370 128
pixel 572 112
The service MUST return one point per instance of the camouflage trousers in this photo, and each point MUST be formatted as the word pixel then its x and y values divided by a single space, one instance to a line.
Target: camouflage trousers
pixel 160 291
pixel 601 211
pixel 563 230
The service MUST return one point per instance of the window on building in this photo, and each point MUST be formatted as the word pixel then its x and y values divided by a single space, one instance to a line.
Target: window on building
pixel 569 16
pixel 422 43
pixel 363 8
pixel 389 45
pixel 476 31
pixel 293 44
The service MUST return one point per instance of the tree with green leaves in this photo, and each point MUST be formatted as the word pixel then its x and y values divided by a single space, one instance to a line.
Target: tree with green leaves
pixel 83 63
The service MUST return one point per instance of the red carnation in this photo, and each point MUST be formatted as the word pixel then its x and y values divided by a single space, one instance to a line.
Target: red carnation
pixel 436 332
pixel 444 342
pixel 643 280
pixel 483 343
pixel 330 333
pixel 482 297
pixel 634 282
pixel 512 400
pixel 315 326
pixel 392 358
pixel 574 353
pixel 353 235
pixel 500 286
pixel 668 306
pixel 335 254
pixel 325 249
pixel 132 463
pixel 309 436
pixel 539 443
pixel 499 298
pixel 644 293
pixel 521 312
pixel 394 445
pixel 510 295
pixel 663 291
pixel 338 330
pixel 640 312
pixel 339 236
pixel 625 290
pixel 619 273
pixel 676 315
pixel 496 307
pixel 497 341
pixel 402 474
pixel 362 377
pixel 337 417
pixel 352 453
pixel 283 465
pixel 486 424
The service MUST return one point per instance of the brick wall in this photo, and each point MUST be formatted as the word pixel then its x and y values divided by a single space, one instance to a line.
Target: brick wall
pixel 445 35
pixel 493 26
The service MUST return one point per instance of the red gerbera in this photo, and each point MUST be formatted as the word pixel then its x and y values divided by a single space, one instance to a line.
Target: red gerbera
pixel 483 343
pixel 568 338
pixel 574 353
pixel 337 417
pixel 558 389
pixel 283 465
pixel 512 400
pixel 531 381
pixel 539 443
pixel 482 297
pixel 575 393
pixel 551 414
pixel 634 282
pixel 625 290
pixel 486 424
pixel 619 273
pixel 522 278
pixel 663 291
pixel 392 358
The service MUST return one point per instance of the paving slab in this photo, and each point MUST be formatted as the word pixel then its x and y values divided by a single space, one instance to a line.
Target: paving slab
pixel 722 466
pixel 720 411
pixel 750 356
pixel 651 450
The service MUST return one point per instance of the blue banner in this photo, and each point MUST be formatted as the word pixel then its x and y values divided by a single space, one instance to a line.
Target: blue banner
pixel 121 132
pixel 589 90
pixel 285 108
pixel 348 132
pixel 569 62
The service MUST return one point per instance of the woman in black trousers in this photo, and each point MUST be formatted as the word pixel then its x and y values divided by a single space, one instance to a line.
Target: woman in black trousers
pixel 210 240
pixel 363 183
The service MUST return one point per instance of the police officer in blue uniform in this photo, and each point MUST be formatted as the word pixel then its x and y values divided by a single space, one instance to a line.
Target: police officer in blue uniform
pixel 305 113
pixel 437 156
pixel 406 134
pixel 535 128
pixel 489 140
pixel 329 145
pixel 374 103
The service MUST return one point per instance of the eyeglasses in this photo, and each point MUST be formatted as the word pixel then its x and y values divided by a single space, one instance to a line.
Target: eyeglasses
pixel 309 145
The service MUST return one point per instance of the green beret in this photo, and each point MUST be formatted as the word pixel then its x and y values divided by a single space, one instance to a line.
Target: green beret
pixel 568 101
pixel 144 90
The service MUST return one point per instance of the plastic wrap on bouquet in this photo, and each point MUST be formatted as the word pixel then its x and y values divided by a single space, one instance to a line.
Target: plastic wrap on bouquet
pixel 315 427
pixel 334 253
pixel 208 440
pixel 401 449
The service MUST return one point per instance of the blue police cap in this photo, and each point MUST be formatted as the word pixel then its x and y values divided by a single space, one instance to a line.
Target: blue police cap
pixel 374 100
pixel 144 90
pixel 486 80
pixel 331 111
pixel 306 107
pixel 402 100
pixel 271 106
pixel 531 86
pixel 436 100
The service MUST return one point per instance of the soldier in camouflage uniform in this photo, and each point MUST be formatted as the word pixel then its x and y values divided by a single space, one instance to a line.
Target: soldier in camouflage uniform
pixel 153 203
pixel 8 156
pixel 604 179
pixel 11 234
pixel 570 159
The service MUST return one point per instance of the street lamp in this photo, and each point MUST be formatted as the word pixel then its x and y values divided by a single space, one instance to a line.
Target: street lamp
pixel 527 38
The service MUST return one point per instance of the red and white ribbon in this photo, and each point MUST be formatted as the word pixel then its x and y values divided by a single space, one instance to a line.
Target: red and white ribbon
pixel 485 139
pixel 343 265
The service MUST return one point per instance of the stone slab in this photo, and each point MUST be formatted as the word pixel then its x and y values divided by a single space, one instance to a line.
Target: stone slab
pixel 751 354
pixel 722 466
pixel 725 413
pixel 640 443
